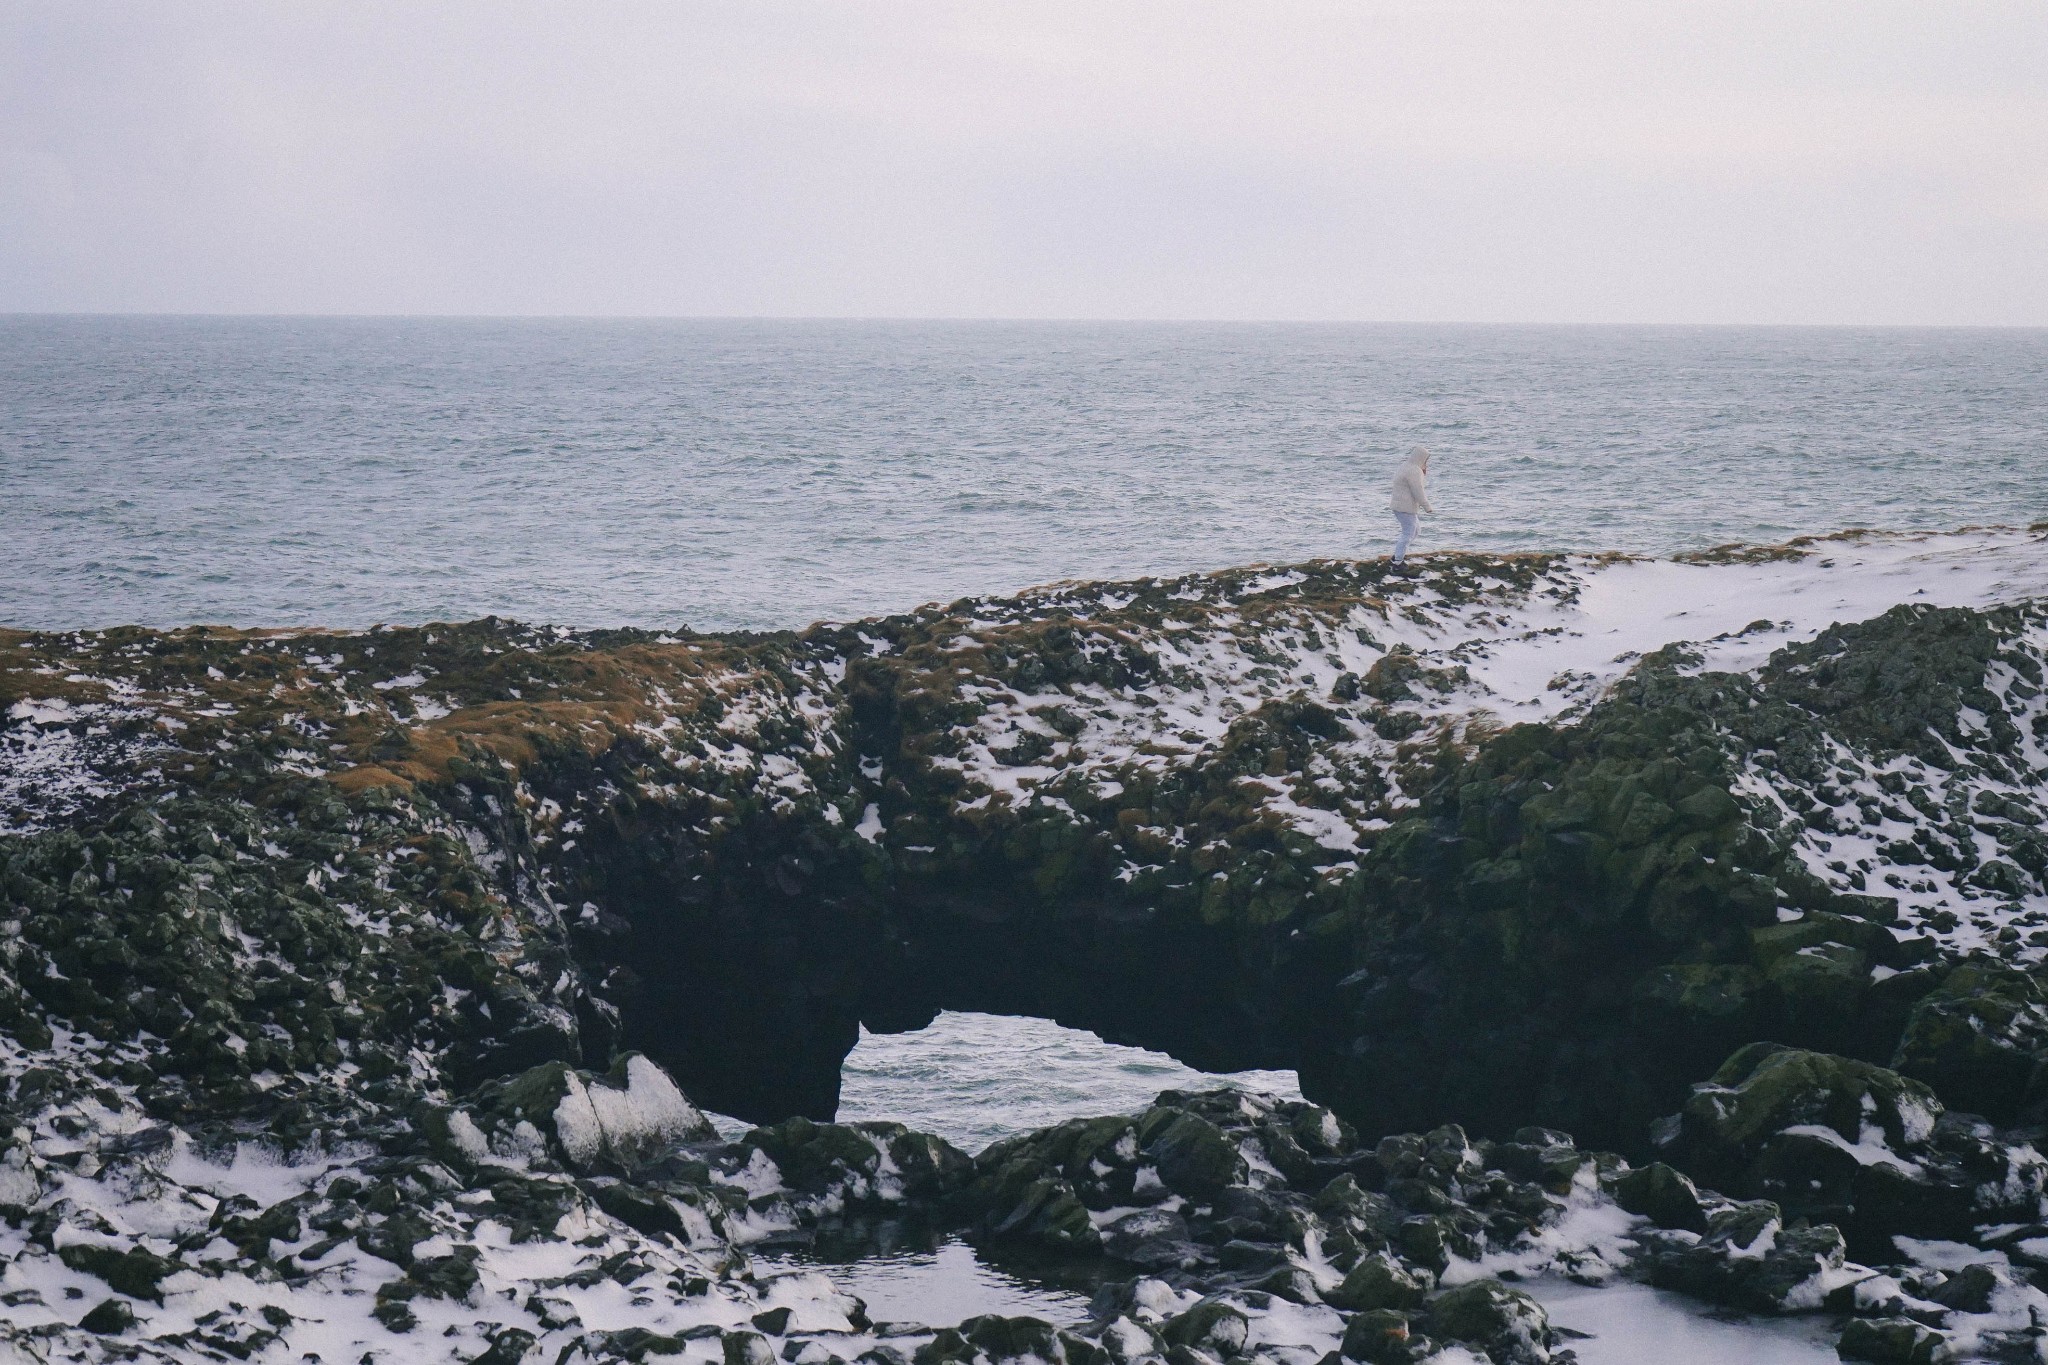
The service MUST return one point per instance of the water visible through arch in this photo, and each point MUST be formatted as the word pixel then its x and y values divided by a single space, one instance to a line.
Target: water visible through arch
pixel 974 1079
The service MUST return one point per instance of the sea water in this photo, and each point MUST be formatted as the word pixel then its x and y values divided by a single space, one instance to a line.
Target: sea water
pixel 722 475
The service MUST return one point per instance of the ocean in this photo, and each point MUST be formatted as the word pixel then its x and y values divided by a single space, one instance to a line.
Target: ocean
pixel 762 474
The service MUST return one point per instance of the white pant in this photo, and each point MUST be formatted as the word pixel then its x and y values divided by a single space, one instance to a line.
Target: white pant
pixel 1407 520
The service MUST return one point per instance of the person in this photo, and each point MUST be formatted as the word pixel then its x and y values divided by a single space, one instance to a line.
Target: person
pixel 1411 496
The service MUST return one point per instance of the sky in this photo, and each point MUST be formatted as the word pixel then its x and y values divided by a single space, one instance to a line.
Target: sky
pixel 1786 161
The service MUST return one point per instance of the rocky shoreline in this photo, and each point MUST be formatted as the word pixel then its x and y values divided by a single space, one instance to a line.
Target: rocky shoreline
pixel 360 988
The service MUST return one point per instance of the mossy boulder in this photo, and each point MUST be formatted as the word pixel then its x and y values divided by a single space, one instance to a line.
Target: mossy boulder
pixel 1502 1321
pixel 1193 1156
pixel 863 1163
pixel 137 1272
pixel 1381 1281
pixel 1381 1337
pixel 1894 1341
pixel 1665 1196
pixel 1214 1326
pixel 1981 1039
pixel 1763 1090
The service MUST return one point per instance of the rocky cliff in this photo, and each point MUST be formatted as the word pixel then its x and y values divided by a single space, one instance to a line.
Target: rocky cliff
pixel 1517 843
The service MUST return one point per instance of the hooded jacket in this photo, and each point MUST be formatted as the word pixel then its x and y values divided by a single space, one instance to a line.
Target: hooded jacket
pixel 1411 484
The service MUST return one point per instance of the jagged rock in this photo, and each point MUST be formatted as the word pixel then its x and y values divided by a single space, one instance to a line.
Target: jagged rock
pixel 1982 1036
pixel 110 1317
pixel 1213 1326
pixel 1853 1143
pixel 1665 1196
pixel 1380 1281
pixel 1379 1337
pixel 1894 1341
pixel 1506 1323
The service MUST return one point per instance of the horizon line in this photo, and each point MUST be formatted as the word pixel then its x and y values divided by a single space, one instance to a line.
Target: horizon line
pixel 280 315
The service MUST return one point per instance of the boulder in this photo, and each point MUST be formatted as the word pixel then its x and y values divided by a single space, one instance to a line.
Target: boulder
pixel 1663 1195
pixel 1893 1341
pixel 1978 1039
pixel 1751 1259
pixel 1506 1323
pixel 861 1164
pixel 1192 1155
pixel 1381 1281
pixel 137 1272
pixel 110 1317
pixel 1156 1239
pixel 1836 1140
pixel 1047 1213
pixel 616 1121
pixel 1763 1090
pixel 1378 1337
pixel 997 1338
pixel 1212 1326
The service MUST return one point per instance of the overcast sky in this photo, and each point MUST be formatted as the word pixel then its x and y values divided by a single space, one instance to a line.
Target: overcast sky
pixel 1781 161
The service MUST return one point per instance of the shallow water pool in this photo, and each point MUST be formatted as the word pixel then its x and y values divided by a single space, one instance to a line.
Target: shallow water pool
pixel 1633 1324
pixel 943 1286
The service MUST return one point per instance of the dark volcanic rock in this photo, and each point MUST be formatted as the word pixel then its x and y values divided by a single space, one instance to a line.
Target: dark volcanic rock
pixel 1854 1144
pixel 433 920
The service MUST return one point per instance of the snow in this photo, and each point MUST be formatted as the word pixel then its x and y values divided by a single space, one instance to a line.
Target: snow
pixel 1589 1241
pixel 1936 1254
pixel 55 758
pixel 624 1124
pixel 1870 1148
pixel 1542 653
